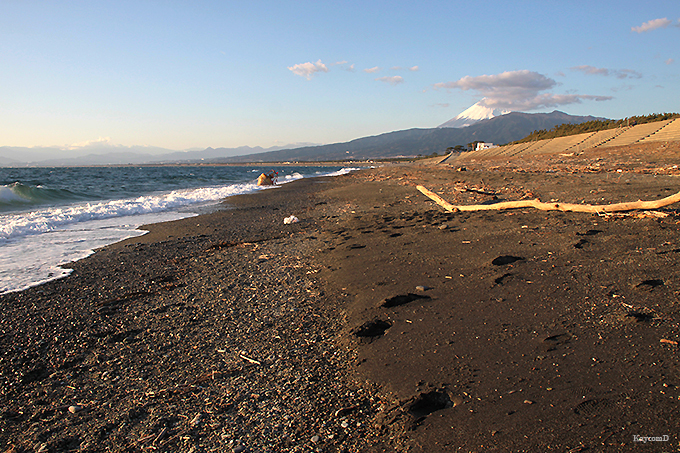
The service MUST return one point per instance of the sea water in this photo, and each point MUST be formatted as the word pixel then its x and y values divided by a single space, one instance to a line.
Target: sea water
pixel 53 216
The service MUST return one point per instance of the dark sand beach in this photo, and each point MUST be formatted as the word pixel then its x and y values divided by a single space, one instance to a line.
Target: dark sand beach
pixel 377 323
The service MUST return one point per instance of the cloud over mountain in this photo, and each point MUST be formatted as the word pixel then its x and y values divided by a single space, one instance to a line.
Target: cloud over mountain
pixel 516 90
pixel 100 142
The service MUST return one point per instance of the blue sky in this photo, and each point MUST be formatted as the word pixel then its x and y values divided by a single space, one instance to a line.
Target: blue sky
pixel 179 74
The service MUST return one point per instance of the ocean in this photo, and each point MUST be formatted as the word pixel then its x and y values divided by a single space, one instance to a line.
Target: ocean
pixel 53 216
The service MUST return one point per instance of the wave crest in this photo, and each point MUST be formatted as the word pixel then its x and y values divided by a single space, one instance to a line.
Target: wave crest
pixel 18 194
pixel 50 219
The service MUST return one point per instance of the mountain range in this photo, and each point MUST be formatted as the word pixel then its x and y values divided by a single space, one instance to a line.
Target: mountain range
pixel 498 129
pixel 105 154
pixel 413 142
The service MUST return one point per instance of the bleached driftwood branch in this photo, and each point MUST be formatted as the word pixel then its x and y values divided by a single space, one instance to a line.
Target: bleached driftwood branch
pixel 538 204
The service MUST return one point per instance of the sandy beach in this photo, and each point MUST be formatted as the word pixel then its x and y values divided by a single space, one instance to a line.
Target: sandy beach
pixel 377 323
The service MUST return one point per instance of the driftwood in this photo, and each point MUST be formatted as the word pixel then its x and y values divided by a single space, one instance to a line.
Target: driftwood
pixel 475 190
pixel 616 207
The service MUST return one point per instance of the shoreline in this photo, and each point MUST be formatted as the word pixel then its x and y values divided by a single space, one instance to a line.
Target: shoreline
pixel 362 163
pixel 128 211
pixel 379 322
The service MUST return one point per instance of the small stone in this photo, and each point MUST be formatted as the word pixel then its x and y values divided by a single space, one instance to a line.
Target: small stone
pixel 239 449
pixel 75 408
pixel 443 226
pixel 528 402
pixel 422 288
pixel 344 424
pixel 316 438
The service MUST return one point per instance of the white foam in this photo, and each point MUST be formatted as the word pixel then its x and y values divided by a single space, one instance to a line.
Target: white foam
pixel 342 171
pixel 27 261
pixel 50 219
pixel 293 177
pixel 33 245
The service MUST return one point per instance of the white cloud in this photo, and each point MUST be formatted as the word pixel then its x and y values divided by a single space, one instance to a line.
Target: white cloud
pixel 344 65
pixel 591 70
pixel 516 84
pixel 623 88
pixel 101 141
pixel 618 73
pixel 516 90
pixel 394 80
pixel 546 100
pixel 399 68
pixel 651 25
pixel 307 70
pixel 627 74
pixel 372 70
pixel 670 61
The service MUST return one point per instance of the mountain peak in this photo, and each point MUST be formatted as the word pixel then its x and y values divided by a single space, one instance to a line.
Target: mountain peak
pixel 472 115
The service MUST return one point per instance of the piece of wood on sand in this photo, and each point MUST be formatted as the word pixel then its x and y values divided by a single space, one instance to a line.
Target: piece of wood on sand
pixel 537 204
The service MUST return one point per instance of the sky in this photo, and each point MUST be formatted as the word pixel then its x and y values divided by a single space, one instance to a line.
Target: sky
pixel 190 75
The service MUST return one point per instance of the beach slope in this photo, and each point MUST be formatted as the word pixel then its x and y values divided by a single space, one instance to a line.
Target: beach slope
pixel 378 322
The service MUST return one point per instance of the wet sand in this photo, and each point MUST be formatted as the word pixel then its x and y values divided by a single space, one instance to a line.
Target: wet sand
pixel 379 322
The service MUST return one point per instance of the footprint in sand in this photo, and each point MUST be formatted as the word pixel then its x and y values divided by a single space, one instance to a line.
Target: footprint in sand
pixel 505 259
pixel 426 403
pixel 372 329
pixel 402 300
pixel 650 284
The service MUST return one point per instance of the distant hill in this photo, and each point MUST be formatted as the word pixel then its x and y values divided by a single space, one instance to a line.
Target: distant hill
pixel 412 142
pixel 106 154
pixel 7 162
pixel 406 143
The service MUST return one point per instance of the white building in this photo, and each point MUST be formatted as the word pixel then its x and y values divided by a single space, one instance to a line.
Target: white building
pixel 482 145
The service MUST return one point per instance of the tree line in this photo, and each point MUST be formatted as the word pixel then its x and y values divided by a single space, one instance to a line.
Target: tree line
pixel 566 129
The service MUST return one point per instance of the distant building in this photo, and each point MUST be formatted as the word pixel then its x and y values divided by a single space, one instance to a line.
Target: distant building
pixel 482 145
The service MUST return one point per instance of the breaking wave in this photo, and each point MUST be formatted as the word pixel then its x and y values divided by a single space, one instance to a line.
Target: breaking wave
pixel 21 195
pixel 50 219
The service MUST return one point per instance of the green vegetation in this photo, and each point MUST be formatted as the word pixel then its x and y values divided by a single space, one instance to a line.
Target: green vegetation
pixel 593 126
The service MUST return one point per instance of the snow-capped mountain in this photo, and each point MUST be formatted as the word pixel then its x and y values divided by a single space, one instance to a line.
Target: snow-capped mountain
pixel 472 115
